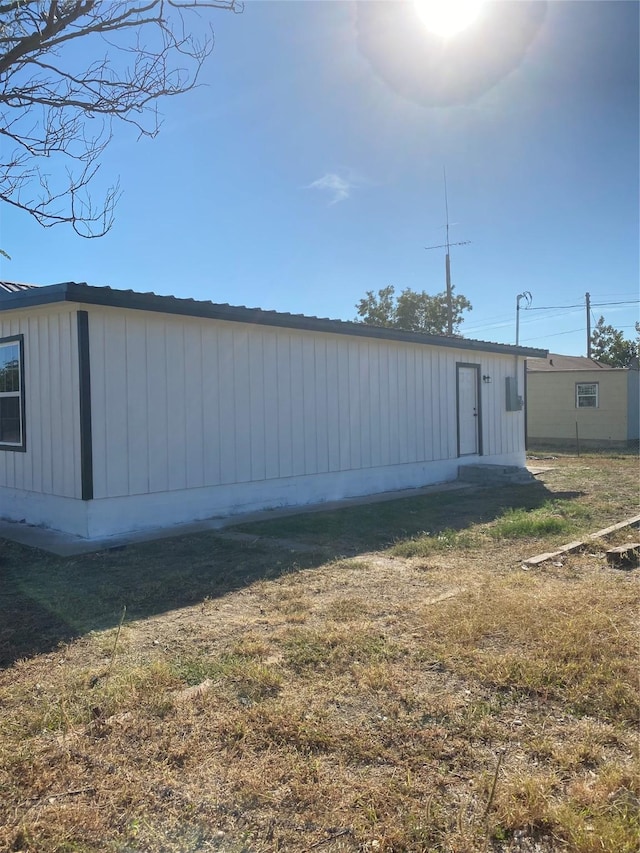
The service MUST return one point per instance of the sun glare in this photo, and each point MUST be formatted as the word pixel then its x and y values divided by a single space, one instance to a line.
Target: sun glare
pixel 445 18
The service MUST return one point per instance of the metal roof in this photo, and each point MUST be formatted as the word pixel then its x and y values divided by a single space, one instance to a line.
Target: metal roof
pixel 555 363
pixel 14 287
pixel 89 295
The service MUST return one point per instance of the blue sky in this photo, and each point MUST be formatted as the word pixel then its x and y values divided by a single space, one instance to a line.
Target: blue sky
pixel 309 169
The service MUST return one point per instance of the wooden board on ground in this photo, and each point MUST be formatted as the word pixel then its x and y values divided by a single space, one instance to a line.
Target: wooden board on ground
pixel 575 546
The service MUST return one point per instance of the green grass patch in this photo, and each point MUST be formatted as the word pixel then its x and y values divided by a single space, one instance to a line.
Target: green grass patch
pixel 521 524
pixel 388 524
pixel 551 519
pixel 430 543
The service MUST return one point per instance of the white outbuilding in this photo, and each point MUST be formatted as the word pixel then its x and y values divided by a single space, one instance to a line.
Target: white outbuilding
pixel 121 411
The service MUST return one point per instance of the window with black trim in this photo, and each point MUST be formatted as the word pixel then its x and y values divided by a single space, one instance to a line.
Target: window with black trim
pixel 12 432
pixel 586 395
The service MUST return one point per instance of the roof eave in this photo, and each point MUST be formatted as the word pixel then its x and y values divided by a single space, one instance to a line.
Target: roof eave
pixel 106 296
pixel 555 370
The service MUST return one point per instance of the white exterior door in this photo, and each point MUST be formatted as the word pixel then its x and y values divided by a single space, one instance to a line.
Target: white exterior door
pixel 467 381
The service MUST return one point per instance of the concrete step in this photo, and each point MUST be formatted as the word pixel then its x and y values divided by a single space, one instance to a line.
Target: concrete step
pixel 494 474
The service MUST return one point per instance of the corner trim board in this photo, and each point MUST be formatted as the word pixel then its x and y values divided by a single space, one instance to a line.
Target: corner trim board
pixel 84 374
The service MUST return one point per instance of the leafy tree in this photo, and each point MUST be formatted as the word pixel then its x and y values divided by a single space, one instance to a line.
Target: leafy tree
pixel 412 311
pixel 378 310
pixel 609 345
pixel 57 106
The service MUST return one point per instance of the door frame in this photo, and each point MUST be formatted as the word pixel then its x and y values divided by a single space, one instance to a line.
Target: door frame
pixel 475 367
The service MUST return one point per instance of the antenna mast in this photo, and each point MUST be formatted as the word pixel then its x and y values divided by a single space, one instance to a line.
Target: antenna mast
pixel 447 246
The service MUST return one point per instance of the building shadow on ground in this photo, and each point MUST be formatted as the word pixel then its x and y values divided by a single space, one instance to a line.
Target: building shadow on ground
pixel 47 600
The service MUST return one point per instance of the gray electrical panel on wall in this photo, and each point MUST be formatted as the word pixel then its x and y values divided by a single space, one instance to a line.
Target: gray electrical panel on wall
pixel 514 401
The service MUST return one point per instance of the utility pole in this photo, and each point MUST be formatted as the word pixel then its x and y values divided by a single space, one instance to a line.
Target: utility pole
pixel 447 246
pixel 587 299
pixel 524 295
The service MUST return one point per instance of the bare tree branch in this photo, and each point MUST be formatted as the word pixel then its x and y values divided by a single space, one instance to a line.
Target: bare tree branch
pixel 49 98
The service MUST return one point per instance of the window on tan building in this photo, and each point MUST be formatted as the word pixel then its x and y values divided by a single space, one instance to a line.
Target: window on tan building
pixel 586 395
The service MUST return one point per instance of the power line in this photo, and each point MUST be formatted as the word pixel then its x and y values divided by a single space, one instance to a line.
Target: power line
pixel 628 302
pixel 569 312
pixel 570 332
pixel 556 334
pixel 581 305
pixel 554 307
pixel 503 320
pixel 508 320
pixel 499 323
pixel 610 297
pixel 568 309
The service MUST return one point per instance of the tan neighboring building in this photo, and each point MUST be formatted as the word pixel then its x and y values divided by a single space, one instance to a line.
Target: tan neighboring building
pixel 574 399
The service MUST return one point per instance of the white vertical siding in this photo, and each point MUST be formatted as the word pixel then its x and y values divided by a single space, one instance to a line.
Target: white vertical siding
pixel 503 432
pixel 156 427
pixel 115 395
pixel 257 392
pixel 295 371
pixel 211 402
pixel 51 463
pixel 321 405
pixel 138 405
pixel 272 412
pixel 354 392
pixel 333 404
pixel 240 410
pixel 393 405
pixel 224 431
pixel 192 416
pixel 182 403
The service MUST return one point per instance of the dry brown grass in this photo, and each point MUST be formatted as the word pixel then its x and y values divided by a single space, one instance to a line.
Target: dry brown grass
pixel 447 701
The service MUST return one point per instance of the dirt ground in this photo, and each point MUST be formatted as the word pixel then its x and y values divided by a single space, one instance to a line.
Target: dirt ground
pixel 288 687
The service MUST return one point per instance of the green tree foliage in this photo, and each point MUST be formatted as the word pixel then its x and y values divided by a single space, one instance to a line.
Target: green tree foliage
pixel 412 311
pixel 609 345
